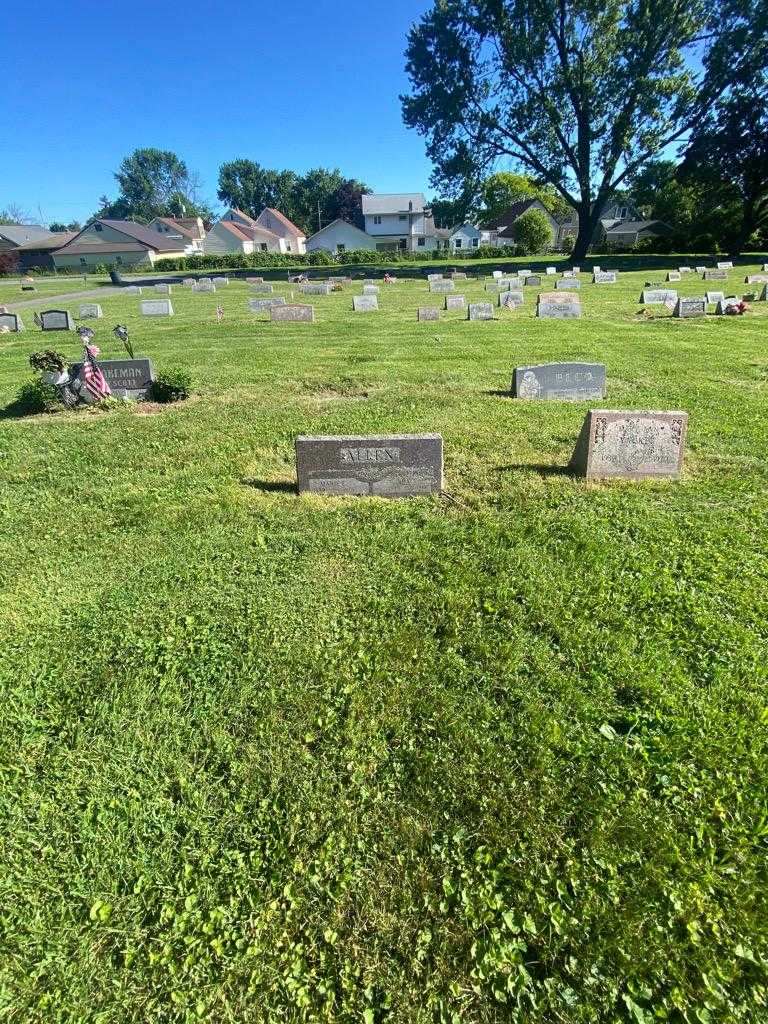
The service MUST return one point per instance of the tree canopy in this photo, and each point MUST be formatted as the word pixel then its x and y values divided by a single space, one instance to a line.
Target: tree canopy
pixel 579 95
pixel 154 183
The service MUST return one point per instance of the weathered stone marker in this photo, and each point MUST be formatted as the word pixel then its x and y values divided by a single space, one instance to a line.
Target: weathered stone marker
pixel 428 313
pixel 725 265
pixel 756 279
pixel 443 285
pixel 209 286
pixel 513 299
pixel 164 289
pixel 90 311
pixel 674 275
pixel 128 378
pixel 223 281
pixel 156 307
pixel 260 288
pixel 56 320
pixel 455 302
pixel 550 271
pixel 292 313
pixel 631 444
pixel 684 270
pixel 716 275
pixel 12 321
pixel 434 277
pixel 715 297
pixel 568 284
pixel 687 308
pixel 604 277
pixel 372 289
pixel 480 311
pixel 570 382
pixel 657 296
pixel 497 273
pixel 323 288
pixel 365 303
pixel 700 270
pixel 458 275
pixel 533 280
pixel 188 282
pixel 260 305
pixel 557 306
pixel 400 465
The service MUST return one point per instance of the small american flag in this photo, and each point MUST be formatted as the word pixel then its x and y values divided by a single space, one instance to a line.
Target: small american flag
pixel 219 314
pixel 92 375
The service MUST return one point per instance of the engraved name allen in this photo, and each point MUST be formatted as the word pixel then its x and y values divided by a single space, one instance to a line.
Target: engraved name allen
pixel 369 455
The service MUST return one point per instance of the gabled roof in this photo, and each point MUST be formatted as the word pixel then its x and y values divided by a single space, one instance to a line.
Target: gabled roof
pixel 20 234
pixel 246 233
pixel 504 221
pixel 151 239
pixel 76 248
pixel 340 220
pixel 633 226
pixel 393 202
pixel 282 219
pixel 187 226
pixel 54 240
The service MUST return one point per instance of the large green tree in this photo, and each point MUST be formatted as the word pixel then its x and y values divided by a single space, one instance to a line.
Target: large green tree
pixel 730 147
pixel 579 94
pixel 250 187
pixel 153 183
pixel 502 189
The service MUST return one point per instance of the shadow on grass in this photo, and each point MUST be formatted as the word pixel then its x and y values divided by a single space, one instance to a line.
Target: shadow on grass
pixel 21 409
pixel 499 394
pixel 271 486
pixel 537 467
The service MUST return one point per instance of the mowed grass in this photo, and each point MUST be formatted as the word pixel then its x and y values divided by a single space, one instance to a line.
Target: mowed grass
pixel 496 756
pixel 11 292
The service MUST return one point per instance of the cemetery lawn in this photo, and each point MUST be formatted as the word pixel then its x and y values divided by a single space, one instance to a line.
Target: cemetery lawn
pixel 10 290
pixel 500 755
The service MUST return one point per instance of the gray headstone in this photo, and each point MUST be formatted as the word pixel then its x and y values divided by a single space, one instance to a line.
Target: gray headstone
pixel 442 286
pixel 700 270
pixel 259 305
pixel 575 270
pixel 262 289
pixel 715 297
pixel 12 321
pixel 128 378
pixel 322 288
pixel 725 265
pixel 156 307
pixel 208 286
pixel 56 320
pixel 550 271
pixel 756 279
pixel 497 273
pixel 684 270
pixel 454 302
pixel 632 444
pixel 434 277
pixel 90 311
pixel 223 281
pixel 428 313
pixel 691 307
pixel 673 275
pixel 729 300
pixel 555 307
pixel 568 284
pixel 764 294
pixel 370 289
pixel 365 303
pixel 765 268
pixel 511 298
pixel 458 275
pixel 480 311
pixel 401 465
pixel 657 296
pixel 716 275
pixel 533 280
pixel 604 277
pixel 575 382
pixel 293 313
pixel 164 289
pixel 188 282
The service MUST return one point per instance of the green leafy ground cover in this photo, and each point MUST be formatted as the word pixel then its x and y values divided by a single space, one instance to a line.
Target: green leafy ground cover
pixel 498 756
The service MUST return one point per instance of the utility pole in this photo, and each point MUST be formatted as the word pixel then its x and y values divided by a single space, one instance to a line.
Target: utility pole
pixel 319 225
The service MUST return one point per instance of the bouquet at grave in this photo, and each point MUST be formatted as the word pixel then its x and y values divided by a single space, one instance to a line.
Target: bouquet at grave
pixel 121 333
pixel 736 309
pixel 93 379
pixel 48 361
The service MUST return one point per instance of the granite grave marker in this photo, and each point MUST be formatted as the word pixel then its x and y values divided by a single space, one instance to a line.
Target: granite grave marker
pixel 630 444
pixel 574 382
pixel 389 466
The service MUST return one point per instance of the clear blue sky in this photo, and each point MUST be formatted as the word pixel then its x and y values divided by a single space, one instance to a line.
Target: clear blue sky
pixel 289 84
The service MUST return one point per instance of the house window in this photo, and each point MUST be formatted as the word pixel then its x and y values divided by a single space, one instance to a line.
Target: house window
pixel 475 242
pixel 341 247
pixel 403 216
pixel 83 261
pixel 118 259
pixel 288 246
pixel 623 213
pixel 98 227
pixel 420 241
pixel 377 220
pixel 457 243
pixel 263 246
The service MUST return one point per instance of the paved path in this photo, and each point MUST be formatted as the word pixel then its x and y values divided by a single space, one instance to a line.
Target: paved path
pixel 68 297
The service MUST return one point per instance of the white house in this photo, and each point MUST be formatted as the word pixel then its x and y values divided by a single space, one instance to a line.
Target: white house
pixel 340 236
pixel 269 232
pixel 464 238
pixel 293 238
pixel 501 229
pixel 189 231
pixel 399 221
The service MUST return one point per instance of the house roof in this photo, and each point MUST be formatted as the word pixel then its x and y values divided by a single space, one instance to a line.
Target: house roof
pixel 633 226
pixel 505 220
pixel 76 248
pixel 20 234
pixel 247 233
pixel 54 240
pixel 186 226
pixel 340 220
pixel 149 238
pixel 289 225
pixel 393 202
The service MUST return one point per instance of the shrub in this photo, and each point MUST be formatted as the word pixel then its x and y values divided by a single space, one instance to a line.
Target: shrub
pixel 35 397
pixel 569 243
pixel 172 385
pixel 48 360
pixel 533 232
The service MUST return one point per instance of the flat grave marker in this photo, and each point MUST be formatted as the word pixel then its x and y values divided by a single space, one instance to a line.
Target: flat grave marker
pixel 714 297
pixel 428 313
pixel 674 275
pixel 443 285
pixel 56 320
pixel 156 307
pixel 687 308
pixel 365 303
pixel 90 311
pixel 657 296
pixel 630 444
pixel 261 305
pixel 164 289
pixel 295 313
pixel 572 382
pixel 604 277
pixel 388 466
pixel 567 284
pixel 12 321
pixel 716 275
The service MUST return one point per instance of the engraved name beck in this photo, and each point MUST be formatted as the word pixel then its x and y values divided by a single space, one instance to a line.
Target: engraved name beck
pixel 359 455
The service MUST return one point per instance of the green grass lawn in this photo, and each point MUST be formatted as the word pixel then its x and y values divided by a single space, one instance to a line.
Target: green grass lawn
pixel 496 756
pixel 10 287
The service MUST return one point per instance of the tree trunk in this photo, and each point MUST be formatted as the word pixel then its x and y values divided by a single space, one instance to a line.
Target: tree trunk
pixel 746 228
pixel 589 214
